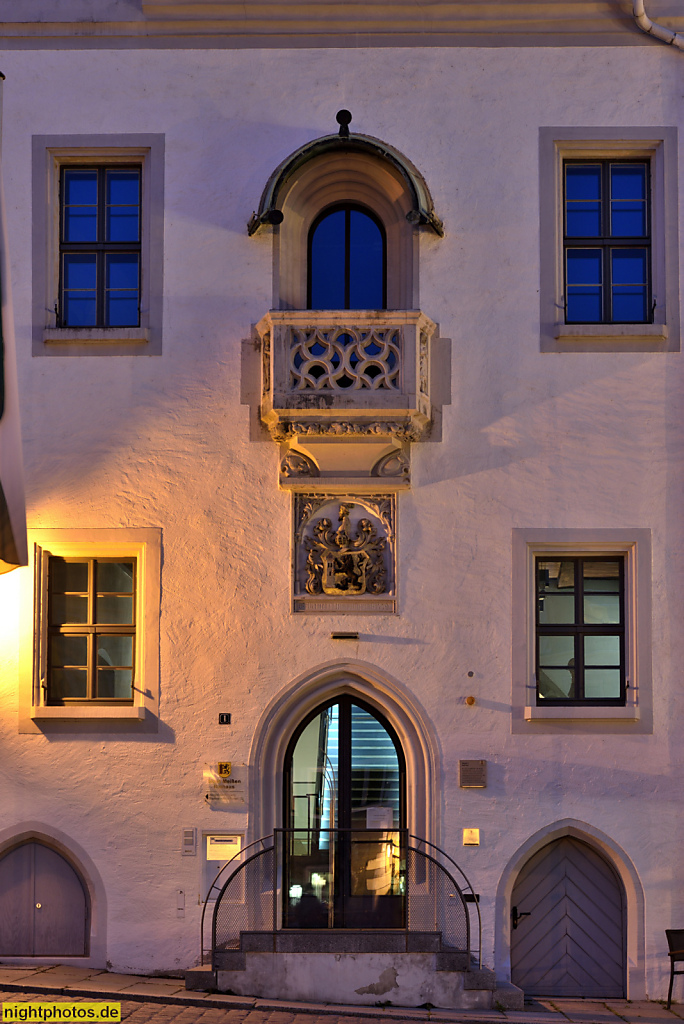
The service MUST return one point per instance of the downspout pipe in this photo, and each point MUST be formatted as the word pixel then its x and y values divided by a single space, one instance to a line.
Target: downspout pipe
pixel 653 29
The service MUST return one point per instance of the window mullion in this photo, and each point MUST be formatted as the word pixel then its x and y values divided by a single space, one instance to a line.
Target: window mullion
pixel 579 629
pixel 347 258
pixel 606 229
pixel 92 640
pixel 101 238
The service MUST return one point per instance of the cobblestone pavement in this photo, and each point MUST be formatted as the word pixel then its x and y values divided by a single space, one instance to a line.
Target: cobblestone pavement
pixel 151 1000
pixel 165 1013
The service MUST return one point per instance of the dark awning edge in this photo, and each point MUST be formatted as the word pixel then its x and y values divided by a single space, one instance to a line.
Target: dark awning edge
pixel 9 557
pixel 423 211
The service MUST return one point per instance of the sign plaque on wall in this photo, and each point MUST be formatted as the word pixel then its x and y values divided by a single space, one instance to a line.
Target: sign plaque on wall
pixel 225 784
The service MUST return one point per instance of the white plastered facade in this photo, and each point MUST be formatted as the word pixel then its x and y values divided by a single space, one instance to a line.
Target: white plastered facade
pixel 578 441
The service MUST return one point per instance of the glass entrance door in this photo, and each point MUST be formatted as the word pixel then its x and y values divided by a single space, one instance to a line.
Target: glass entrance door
pixel 344 844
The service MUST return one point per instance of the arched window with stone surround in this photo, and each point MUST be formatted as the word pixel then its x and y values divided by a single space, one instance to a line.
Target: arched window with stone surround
pixel 357 171
pixel 345 347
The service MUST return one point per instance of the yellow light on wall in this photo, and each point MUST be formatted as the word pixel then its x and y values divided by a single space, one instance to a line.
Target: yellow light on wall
pixel 471 837
pixel 10 589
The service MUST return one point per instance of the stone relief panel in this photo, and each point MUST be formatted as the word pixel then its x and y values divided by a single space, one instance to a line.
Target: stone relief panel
pixel 344 553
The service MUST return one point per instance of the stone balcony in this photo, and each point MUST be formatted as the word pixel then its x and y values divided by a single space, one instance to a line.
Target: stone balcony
pixel 345 392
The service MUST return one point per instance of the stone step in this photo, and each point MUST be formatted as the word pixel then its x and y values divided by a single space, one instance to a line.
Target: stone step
pixel 313 940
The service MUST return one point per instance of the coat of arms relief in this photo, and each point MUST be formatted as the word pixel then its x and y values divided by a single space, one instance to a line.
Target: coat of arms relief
pixel 344 553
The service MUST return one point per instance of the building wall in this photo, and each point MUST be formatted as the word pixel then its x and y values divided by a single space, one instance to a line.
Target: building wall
pixel 581 441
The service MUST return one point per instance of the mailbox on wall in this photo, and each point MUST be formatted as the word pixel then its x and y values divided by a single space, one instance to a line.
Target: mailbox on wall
pixel 219 849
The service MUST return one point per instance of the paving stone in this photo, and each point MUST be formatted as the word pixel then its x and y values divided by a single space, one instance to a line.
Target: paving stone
pixel 105 983
pixel 642 1011
pixel 61 973
pixel 584 1011
pixel 18 973
pixel 535 1010
pixel 154 988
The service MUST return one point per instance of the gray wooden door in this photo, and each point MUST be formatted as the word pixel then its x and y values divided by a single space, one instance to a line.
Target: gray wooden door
pixel 573 942
pixel 43 907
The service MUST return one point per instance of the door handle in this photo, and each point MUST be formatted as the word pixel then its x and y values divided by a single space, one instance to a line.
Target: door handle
pixel 38 906
pixel 518 916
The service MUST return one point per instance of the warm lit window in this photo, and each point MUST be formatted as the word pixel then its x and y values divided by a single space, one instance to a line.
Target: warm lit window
pixel 100 247
pixel 580 630
pixel 91 629
pixel 607 242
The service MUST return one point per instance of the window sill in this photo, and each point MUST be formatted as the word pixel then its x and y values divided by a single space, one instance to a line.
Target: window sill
pixel 609 332
pixel 535 713
pixel 77 712
pixel 95 335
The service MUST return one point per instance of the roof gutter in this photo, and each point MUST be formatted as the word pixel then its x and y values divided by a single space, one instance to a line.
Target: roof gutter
pixel 653 29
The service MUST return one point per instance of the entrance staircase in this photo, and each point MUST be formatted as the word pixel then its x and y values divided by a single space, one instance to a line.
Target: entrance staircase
pixel 431 959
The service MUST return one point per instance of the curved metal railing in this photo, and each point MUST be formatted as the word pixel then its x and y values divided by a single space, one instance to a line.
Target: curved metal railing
pixel 218 889
pixel 469 895
pixel 423 893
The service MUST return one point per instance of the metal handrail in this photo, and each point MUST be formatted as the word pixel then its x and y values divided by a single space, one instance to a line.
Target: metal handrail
pixel 411 842
pixel 475 900
pixel 213 884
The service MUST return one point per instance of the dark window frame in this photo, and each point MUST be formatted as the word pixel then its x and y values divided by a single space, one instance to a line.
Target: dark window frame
pixel 100 248
pixel 579 630
pixel 91 629
pixel 345 703
pixel 607 242
pixel 347 208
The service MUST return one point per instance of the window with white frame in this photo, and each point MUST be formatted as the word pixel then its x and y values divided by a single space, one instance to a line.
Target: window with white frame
pixel 609 244
pixel 582 625
pixel 93 651
pixel 98 256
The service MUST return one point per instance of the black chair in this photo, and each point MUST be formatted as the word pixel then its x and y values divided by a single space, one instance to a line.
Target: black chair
pixel 675 940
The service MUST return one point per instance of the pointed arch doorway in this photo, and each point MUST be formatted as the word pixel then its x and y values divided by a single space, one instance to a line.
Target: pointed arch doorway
pixel 345 816
pixel 568 924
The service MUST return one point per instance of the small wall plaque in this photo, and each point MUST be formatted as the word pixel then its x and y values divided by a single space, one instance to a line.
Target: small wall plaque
pixel 471 837
pixel 472 774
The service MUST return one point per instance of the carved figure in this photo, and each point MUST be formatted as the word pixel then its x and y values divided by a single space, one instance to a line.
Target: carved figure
pixel 298 464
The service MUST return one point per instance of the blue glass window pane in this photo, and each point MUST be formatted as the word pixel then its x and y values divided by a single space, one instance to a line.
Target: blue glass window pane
pixel 79 276
pixel 584 286
pixel 122 270
pixel 79 310
pixel 80 206
pixel 123 206
pixel 80 270
pixel 629 266
pixel 630 285
pixel 365 262
pixel 328 262
pixel 628 195
pixel 80 187
pixel 122 277
pixel 583 200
